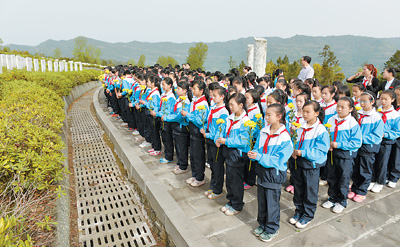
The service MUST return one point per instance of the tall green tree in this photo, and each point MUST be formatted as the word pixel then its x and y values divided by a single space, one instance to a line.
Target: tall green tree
pixel 241 67
pixel 197 55
pixel 132 61
pixel 394 61
pixel 142 61
pixel 84 52
pixel 164 61
pixel 57 53
pixel 232 63
pixel 331 70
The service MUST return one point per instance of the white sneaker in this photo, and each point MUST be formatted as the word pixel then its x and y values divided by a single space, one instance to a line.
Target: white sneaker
pixel 328 204
pixel 190 180
pixel 338 208
pixel 323 182
pixel 370 186
pixel 147 144
pixel 377 188
pixel 208 165
pixel 391 184
pixel 135 133
pixel 124 124
pixel 143 144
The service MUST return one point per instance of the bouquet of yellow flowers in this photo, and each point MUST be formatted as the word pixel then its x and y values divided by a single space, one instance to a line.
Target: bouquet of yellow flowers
pixel 164 108
pixel 328 128
pixel 183 99
pixel 293 136
pixel 251 125
pixel 259 121
pixel 220 121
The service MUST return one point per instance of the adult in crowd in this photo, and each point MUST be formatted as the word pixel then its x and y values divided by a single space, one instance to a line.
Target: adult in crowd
pixel 390 82
pixel 367 77
pixel 307 71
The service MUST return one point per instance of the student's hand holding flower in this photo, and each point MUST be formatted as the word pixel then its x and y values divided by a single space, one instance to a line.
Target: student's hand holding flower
pixel 183 113
pixel 252 155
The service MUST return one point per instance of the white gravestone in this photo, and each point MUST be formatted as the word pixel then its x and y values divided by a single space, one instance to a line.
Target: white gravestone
pixel 61 66
pixel 13 61
pixel 35 64
pixel 80 66
pixel 3 62
pixel 250 56
pixel 76 66
pixel 43 65
pixel 18 62
pixel 9 62
pixel 260 56
pixel 29 64
pixel 56 65
pixel 65 65
pixel 71 65
pixel 50 66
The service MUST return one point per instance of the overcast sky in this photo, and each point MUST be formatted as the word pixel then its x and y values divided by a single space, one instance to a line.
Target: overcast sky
pixel 28 22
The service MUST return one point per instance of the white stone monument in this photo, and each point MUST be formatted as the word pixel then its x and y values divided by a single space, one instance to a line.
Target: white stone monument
pixel 56 65
pixel 35 64
pixel 50 66
pixel 9 62
pixel 76 66
pixel 65 65
pixel 250 56
pixel 13 61
pixel 61 66
pixel 28 64
pixel 260 56
pixel 80 66
pixel 71 65
pixel 3 60
pixel 43 65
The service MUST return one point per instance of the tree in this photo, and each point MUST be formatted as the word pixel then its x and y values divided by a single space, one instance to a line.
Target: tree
pixel 317 71
pixel 132 61
pixel 232 63
pixel 57 53
pixel 294 69
pixel 241 67
pixel 331 71
pixel 394 61
pixel 197 55
pixel 142 61
pixel 84 52
pixel 164 61
pixel 270 68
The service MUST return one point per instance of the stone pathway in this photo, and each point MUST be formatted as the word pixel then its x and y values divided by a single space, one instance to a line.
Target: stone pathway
pixel 371 223
pixel 108 209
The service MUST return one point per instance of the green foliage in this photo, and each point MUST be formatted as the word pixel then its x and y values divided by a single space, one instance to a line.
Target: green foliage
pixel 164 61
pixel 84 52
pixel 241 67
pixel 132 61
pixel 142 61
pixel 9 231
pixel 394 61
pixel 232 63
pixel 331 71
pixel 57 53
pixel 290 70
pixel 197 55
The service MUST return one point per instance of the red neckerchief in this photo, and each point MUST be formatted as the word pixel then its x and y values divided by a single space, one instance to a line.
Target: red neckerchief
pixel 201 99
pixel 361 117
pixel 297 119
pixel 249 110
pixel 265 149
pixel 365 82
pixel 337 127
pixel 151 93
pixel 303 135
pixel 233 123
pixel 327 107
pixel 384 118
pixel 212 113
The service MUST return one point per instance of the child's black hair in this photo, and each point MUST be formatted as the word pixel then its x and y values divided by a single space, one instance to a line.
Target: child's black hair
pixel 240 81
pixel 360 86
pixel 232 89
pixel 284 83
pixel 371 95
pixel 267 80
pixel 222 92
pixel 337 84
pixel 344 90
pixel 279 96
pixel 311 82
pixel 202 86
pixel 331 90
pixel 260 89
pixel 240 99
pixel 155 79
pixel 256 99
pixel 392 95
pixel 185 85
pixel 354 112
pixel 305 88
pixel 251 78
pixel 307 97
pixel 213 85
pixel 317 108
pixel 279 109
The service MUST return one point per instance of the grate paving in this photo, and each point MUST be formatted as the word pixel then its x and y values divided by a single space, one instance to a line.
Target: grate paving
pixel 108 210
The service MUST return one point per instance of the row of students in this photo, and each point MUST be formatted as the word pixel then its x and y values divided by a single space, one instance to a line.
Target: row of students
pixel 231 139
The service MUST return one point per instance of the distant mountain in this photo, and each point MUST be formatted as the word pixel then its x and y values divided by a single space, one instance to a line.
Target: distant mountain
pixel 351 51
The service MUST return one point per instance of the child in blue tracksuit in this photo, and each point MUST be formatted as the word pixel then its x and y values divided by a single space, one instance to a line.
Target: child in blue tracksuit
pixel 180 129
pixel 311 148
pixel 371 125
pixel 140 102
pixel 235 142
pixel 167 104
pixel 346 139
pixel 272 151
pixel 217 112
pixel 254 108
pixel 197 118
pixel 391 132
pixel 152 105
pixel 394 161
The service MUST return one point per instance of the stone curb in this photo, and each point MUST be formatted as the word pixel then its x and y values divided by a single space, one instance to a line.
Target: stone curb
pixel 182 231
pixel 63 204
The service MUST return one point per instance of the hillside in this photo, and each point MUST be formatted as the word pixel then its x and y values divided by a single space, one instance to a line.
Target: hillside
pixel 351 51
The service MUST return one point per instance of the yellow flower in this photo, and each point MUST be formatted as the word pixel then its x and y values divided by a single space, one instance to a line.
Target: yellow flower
pixel 291 91
pixel 182 97
pixel 225 86
pixel 122 77
pixel 150 98
pixel 297 125
pixel 201 107
pixel 116 80
pixel 143 87
pixel 165 99
pixel 107 71
pixel 130 91
pixel 220 121
pixel 379 110
pixel 291 106
pixel 103 85
pixel 358 108
pixel 328 125
pixel 250 124
pixel 258 116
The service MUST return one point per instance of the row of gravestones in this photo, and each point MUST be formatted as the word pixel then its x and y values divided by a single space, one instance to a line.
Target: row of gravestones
pixel 16 61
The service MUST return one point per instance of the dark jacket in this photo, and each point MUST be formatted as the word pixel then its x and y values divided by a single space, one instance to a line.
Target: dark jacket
pixel 375 82
pixel 381 86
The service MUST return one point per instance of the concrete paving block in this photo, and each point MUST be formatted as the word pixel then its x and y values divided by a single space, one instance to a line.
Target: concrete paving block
pixel 392 231
pixel 204 206
pixel 187 193
pixel 358 223
pixel 376 240
pixel 214 223
pixel 389 205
